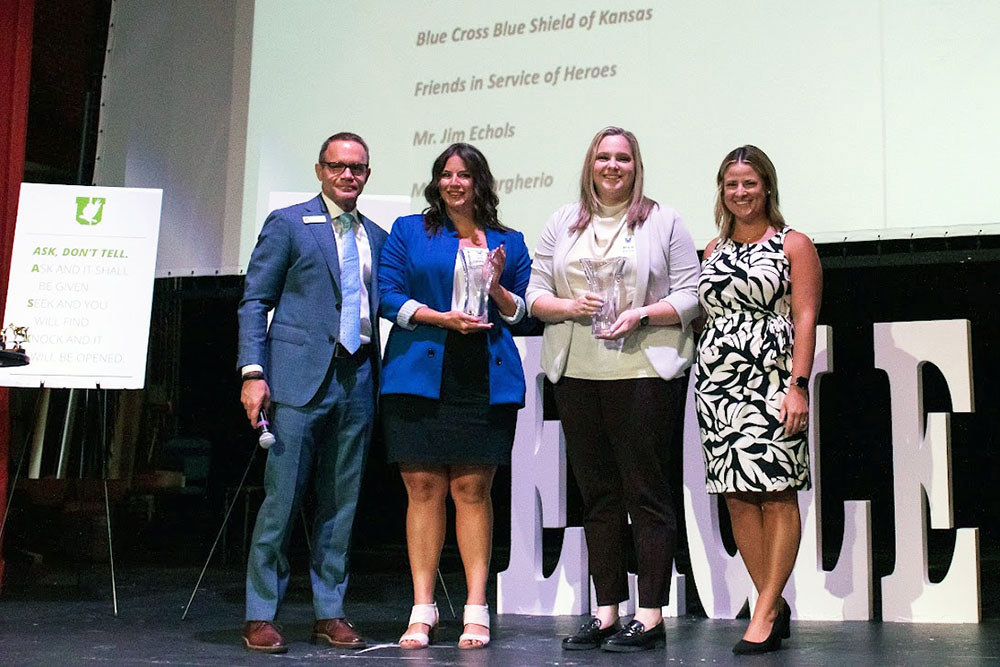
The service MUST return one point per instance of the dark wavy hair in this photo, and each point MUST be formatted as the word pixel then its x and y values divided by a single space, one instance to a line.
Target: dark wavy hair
pixel 484 196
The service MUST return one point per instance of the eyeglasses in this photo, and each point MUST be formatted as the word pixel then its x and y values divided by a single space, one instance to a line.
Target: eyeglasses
pixel 337 168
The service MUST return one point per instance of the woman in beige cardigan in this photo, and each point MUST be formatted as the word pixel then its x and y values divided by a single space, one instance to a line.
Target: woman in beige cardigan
pixel 619 395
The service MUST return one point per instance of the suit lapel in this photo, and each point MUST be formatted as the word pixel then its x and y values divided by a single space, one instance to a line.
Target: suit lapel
pixel 375 247
pixel 493 238
pixel 323 233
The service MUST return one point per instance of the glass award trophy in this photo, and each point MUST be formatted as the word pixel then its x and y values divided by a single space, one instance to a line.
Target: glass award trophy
pixel 604 278
pixel 478 268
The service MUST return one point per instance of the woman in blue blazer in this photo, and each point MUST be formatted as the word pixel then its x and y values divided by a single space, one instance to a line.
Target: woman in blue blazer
pixel 452 382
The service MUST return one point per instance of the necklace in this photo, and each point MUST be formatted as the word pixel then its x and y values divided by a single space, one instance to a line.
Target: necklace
pixel 752 237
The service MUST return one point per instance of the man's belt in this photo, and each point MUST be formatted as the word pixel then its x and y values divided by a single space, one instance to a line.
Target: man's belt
pixel 340 352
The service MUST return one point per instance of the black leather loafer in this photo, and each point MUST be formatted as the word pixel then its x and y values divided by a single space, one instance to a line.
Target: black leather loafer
pixel 635 637
pixel 590 635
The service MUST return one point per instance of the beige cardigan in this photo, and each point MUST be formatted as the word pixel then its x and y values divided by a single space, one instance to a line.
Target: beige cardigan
pixel 667 269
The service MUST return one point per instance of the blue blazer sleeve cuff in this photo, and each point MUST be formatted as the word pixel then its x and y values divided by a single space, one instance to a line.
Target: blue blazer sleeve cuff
pixel 406 312
pixel 518 314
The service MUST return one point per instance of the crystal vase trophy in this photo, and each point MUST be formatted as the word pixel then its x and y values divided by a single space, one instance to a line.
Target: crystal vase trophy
pixel 604 278
pixel 478 267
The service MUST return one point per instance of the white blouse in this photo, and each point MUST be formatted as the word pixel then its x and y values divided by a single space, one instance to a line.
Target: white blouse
pixel 590 358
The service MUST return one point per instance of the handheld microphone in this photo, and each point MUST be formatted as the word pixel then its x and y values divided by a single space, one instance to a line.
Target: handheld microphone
pixel 264 437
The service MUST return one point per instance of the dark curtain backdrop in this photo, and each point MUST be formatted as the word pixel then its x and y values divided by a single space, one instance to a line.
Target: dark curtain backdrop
pixel 15 69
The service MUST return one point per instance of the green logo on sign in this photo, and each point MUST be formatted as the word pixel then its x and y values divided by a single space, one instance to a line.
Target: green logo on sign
pixel 89 210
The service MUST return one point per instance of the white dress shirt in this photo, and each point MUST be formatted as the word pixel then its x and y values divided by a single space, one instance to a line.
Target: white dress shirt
pixel 365 257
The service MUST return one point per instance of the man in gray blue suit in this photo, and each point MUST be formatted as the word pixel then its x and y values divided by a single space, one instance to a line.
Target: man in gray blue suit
pixel 314 369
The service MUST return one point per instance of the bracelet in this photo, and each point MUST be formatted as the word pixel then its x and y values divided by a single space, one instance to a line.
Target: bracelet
pixel 253 375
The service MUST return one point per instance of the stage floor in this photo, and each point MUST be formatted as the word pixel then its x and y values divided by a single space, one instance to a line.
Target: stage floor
pixel 66 618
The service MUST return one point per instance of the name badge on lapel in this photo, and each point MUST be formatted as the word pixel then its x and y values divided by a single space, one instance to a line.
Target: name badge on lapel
pixel 311 219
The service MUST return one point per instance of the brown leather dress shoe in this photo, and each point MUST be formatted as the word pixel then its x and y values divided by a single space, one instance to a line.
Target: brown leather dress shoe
pixel 337 632
pixel 263 637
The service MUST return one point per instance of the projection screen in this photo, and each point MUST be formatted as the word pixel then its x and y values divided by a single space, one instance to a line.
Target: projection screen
pixel 878 115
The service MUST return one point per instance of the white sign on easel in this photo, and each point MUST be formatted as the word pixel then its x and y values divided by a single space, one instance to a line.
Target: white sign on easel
pixel 81 280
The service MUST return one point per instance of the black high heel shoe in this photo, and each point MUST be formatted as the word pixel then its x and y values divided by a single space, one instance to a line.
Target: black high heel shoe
pixel 779 629
pixel 785 619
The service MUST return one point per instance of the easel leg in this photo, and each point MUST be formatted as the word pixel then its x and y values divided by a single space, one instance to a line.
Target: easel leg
pixel 222 529
pixel 102 397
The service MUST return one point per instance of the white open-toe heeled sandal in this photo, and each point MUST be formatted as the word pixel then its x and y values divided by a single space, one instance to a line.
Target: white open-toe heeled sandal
pixel 421 613
pixel 476 614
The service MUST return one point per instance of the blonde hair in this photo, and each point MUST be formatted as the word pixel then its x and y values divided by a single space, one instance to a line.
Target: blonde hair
pixel 639 206
pixel 762 164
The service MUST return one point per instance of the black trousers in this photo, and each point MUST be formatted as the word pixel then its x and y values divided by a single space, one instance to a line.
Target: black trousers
pixel 618 440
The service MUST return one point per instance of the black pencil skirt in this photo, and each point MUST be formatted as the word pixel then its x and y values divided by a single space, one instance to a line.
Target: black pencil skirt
pixel 459 428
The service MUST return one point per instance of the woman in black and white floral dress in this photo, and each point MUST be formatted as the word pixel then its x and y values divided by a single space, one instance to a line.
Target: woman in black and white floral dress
pixel 760 287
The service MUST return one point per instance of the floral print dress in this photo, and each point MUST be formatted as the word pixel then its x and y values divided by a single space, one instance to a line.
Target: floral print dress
pixel 744 369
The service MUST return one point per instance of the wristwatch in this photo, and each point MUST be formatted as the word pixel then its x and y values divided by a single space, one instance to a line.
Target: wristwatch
pixel 801 381
pixel 643 317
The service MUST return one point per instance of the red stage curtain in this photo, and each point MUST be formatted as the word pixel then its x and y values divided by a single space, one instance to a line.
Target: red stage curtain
pixel 15 70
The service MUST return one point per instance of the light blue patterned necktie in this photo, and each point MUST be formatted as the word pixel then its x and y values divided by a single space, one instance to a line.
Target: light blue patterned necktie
pixel 350 286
